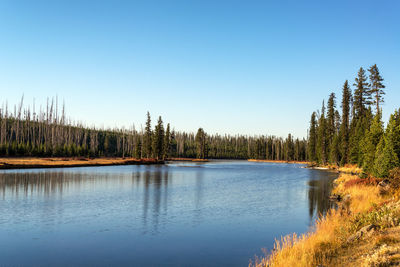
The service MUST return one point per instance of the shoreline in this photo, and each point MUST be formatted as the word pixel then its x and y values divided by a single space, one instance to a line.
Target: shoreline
pixel 16 163
pixel 363 231
pixel 188 160
pixel 278 161
pixel 63 162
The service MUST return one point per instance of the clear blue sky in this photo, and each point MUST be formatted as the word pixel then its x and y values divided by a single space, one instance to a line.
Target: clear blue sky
pixel 248 67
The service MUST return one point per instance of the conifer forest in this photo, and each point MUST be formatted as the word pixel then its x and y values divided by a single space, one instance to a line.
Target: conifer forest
pixel 49 133
pixel 353 132
pixel 348 130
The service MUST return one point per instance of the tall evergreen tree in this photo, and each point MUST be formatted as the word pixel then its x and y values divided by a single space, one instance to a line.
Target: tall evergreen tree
pixel 344 128
pixel 147 139
pixel 362 94
pixel 312 139
pixel 330 127
pixel 396 132
pixel 158 139
pixel 376 86
pixel 322 140
pixel 386 157
pixel 201 144
pixel 167 143
pixel 370 143
pixel 138 147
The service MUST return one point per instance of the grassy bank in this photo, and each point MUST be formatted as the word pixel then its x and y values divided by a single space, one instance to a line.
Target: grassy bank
pixel 278 161
pixel 363 231
pixel 188 159
pixel 29 163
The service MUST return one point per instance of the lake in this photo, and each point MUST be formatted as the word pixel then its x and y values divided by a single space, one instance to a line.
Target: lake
pixel 220 213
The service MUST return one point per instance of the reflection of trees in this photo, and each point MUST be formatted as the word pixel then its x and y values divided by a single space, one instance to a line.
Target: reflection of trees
pixel 50 183
pixel 319 190
pixel 151 181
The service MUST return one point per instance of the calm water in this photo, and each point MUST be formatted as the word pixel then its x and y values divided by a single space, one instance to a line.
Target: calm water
pixel 208 214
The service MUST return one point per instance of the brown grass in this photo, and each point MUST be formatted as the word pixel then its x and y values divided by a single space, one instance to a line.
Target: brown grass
pixel 351 168
pixel 359 181
pixel 278 161
pixel 188 159
pixel 328 245
pixel 24 163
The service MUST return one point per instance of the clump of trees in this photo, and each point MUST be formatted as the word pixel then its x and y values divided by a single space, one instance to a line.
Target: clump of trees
pixel 48 133
pixel 356 134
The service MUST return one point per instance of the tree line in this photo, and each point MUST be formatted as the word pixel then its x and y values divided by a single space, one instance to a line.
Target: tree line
pixel 49 133
pixel 356 134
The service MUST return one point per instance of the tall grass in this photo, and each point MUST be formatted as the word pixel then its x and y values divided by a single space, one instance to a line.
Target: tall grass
pixel 309 249
pixel 321 246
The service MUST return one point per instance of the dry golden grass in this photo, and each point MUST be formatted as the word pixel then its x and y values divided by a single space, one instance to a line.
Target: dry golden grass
pixel 20 163
pixel 308 249
pixel 363 197
pixel 278 161
pixel 188 159
pixel 329 244
pixel 350 168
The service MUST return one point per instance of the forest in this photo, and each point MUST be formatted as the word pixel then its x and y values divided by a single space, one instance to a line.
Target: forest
pixel 351 134
pixel 49 133
pixel 356 135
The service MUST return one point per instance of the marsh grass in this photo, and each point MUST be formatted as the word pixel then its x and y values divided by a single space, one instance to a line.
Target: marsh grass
pixel 328 244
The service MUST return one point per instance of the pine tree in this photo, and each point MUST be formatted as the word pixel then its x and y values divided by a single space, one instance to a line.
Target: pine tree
pixel 158 139
pixel 334 150
pixel 396 132
pixel 167 143
pixel 312 139
pixel 370 143
pixel 376 86
pixel 344 129
pixel 322 140
pixel 147 139
pixel 330 127
pixel 201 144
pixel 362 94
pixel 138 147
pixel 386 157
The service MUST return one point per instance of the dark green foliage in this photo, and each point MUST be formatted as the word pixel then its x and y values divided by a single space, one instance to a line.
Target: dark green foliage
pixel 357 138
pixel 147 138
pixel 334 150
pixel 344 128
pixel 376 86
pixel 158 140
pixel 386 157
pixel 330 119
pixel 370 142
pixel 322 138
pixel 312 139
pixel 167 143
pixel 201 144
pixel 362 94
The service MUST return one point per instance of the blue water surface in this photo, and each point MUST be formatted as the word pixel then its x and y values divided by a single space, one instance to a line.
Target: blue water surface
pixel 220 213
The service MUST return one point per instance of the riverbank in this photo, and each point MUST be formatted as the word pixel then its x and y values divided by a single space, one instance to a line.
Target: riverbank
pixel 348 168
pixel 363 231
pixel 278 161
pixel 188 159
pixel 31 163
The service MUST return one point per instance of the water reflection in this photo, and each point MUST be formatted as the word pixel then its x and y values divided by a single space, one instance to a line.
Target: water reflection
pixel 221 213
pixel 319 190
pixel 154 183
